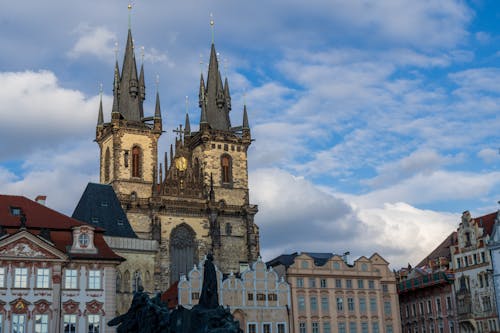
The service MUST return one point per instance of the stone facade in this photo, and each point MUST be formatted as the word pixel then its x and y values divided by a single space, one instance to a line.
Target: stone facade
pixel 195 201
pixel 330 295
pixel 494 247
pixel 258 299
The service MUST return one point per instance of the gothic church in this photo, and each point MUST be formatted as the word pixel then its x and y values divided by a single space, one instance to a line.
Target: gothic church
pixel 196 200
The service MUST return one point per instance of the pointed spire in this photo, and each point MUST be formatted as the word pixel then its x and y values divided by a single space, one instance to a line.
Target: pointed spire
pixel 116 89
pixel 157 123
pixel 100 116
pixel 201 94
pixel 187 126
pixel 171 155
pixel 216 104
pixel 245 118
pixel 227 94
pixel 130 103
pixel 166 164
pixel 142 85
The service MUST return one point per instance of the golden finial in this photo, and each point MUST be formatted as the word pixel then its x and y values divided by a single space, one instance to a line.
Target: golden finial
pixel 129 15
pixel 212 23
pixel 142 54
pixel 187 104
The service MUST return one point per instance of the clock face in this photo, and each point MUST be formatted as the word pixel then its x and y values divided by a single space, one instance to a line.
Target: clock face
pixel 181 163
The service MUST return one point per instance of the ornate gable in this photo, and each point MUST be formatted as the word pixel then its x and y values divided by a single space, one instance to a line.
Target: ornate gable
pixel 26 245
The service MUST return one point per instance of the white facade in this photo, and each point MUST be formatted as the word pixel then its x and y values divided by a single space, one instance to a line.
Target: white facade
pixel 259 300
pixel 494 247
pixel 43 290
pixel 471 262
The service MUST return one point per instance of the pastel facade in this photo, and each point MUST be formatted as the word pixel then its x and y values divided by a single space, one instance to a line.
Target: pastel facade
pixel 494 247
pixel 427 299
pixel 472 264
pixel 56 273
pixel 258 299
pixel 329 295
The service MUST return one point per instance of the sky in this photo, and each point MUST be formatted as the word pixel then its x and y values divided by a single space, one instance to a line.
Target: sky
pixel 375 122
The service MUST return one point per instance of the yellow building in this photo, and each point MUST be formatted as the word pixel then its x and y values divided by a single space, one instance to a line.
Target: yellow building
pixel 330 295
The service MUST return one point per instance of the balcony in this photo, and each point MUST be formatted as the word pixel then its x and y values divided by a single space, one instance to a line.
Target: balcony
pixel 425 281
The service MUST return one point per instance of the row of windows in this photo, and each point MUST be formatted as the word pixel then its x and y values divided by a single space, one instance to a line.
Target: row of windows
pixel 470 260
pixel 19 323
pixel 226 164
pixel 341 306
pixel 42 278
pixel 438 307
pixel 339 283
pixel 265 328
pixel 342 327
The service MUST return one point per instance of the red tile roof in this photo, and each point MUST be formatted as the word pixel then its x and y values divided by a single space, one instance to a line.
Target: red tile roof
pixel 487 222
pixel 40 217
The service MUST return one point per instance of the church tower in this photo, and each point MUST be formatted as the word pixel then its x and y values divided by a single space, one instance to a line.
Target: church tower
pixel 195 201
pixel 128 144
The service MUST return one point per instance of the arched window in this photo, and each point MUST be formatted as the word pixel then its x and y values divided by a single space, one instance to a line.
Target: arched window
pixel 126 281
pixel 137 282
pixel 226 165
pixel 118 281
pixel 107 158
pixel 136 162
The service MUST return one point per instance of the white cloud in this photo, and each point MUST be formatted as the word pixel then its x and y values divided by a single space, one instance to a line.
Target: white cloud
pixel 96 41
pixel 295 215
pixel 489 155
pixel 37 112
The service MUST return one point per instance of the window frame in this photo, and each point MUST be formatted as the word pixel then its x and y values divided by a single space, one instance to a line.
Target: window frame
pixel 21 281
pixel 70 281
pixel 94 281
pixel 89 322
pixel 42 281
pixel 42 324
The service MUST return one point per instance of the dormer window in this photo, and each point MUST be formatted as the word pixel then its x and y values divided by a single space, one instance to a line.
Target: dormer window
pixel 15 211
pixel 83 240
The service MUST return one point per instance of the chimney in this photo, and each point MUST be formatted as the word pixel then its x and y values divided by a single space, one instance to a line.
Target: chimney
pixel 41 199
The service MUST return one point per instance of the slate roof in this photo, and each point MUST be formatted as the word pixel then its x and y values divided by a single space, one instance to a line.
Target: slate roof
pixel 40 217
pixel 288 259
pixel 100 207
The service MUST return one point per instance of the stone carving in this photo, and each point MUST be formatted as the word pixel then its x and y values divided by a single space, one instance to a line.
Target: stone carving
pixel 21 249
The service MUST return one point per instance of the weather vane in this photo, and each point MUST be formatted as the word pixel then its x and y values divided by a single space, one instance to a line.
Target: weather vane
pixel 129 15
pixel 142 54
pixel 157 82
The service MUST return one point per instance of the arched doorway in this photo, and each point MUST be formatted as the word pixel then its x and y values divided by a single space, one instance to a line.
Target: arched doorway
pixel 182 251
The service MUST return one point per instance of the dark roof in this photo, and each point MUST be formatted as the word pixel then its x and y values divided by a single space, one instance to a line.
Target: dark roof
pixel 487 222
pixel 100 207
pixel 40 218
pixel 442 250
pixel 288 259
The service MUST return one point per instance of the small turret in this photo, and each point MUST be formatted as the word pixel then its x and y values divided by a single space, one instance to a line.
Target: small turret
pixel 246 127
pixel 157 123
pixel 100 116
pixel 187 126
pixel 227 94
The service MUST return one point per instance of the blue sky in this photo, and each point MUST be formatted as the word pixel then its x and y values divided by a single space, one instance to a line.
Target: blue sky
pixel 376 123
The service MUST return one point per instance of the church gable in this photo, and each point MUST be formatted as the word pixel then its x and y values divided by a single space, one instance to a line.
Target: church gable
pixel 27 245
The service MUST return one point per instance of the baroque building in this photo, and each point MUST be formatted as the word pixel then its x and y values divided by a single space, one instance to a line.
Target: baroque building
pixel 471 262
pixel 196 200
pixel 257 297
pixel 330 295
pixel 57 274
pixel 426 293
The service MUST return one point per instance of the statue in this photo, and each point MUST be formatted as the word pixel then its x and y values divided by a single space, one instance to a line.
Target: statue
pixel 147 315
pixel 209 298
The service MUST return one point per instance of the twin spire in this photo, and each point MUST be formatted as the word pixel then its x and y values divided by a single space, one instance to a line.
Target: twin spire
pixel 129 93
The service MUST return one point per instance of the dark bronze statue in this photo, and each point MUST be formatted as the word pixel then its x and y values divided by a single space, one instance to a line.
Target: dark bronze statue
pixel 147 315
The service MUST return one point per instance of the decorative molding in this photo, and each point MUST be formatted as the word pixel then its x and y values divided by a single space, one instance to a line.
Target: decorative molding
pixel 71 307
